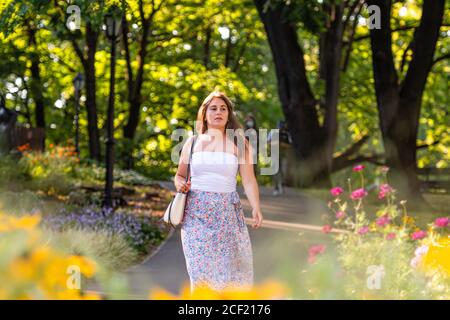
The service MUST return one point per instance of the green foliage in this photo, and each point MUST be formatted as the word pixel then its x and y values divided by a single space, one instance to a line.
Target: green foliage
pixel 182 66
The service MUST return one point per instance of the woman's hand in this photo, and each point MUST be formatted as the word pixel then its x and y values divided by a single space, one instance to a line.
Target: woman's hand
pixel 257 217
pixel 181 185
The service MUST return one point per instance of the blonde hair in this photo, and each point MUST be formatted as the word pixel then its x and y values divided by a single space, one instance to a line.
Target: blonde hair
pixel 233 123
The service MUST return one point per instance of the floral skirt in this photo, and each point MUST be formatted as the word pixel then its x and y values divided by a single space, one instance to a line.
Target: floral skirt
pixel 216 242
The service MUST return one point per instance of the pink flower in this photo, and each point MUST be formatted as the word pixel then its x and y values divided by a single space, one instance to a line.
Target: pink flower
pixel 391 236
pixel 317 249
pixel 385 189
pixel 358 168
pixel 441 222
pixel 382 221
pixel 358 194
pixel 419 235
pixel 314 251
pixel 336 191
pixel 340 214
pixel 363 230
pixel 326 228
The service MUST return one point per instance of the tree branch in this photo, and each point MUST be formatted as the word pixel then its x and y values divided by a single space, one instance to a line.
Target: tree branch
pixel 426 145
pixel 127 53
pixel 404 28
pixel 79 52
pixel 241 52
pixel 353 148
pixel 443 57
pixel 339 164
pixel 409 47
pixel 426 35
pixel 352 36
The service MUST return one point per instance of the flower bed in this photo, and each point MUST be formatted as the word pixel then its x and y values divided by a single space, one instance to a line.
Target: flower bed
pixel 386 257
pixel 141 232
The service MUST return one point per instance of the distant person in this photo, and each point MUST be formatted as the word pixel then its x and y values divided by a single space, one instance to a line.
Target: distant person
pixel 250 123
pixel 285 141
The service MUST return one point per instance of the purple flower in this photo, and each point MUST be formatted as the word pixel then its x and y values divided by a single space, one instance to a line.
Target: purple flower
pixel 358 168
pixel 138 230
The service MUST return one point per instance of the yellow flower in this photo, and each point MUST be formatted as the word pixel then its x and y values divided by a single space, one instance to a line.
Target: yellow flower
pixel 28 222
pixel 33 269
pixel 438 256
pixel 270 289
pixel 87 266
pixel 407 220
pixel 10 223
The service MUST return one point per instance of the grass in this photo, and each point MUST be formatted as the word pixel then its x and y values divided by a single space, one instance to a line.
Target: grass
pixel 110 252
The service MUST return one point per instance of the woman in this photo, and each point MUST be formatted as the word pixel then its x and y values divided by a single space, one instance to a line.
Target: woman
pixel 215 239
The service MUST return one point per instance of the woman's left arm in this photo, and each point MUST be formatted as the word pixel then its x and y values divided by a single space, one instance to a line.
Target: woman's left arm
pixel 250 185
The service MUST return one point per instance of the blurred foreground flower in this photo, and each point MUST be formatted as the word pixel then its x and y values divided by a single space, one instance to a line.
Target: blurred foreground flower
pixel 30 269
pixel 417 235
pixel 269 289
pixel 437 257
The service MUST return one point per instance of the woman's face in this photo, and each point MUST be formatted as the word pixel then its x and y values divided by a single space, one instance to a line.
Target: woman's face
pixel 217 114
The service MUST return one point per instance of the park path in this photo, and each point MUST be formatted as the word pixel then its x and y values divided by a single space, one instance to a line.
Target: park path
pixel 291 225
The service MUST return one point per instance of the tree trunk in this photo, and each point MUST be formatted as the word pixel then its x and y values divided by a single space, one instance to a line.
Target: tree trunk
pixel 297 100
pixel 332 71
pixel 399 104
pixel 36 82
pixel 134 96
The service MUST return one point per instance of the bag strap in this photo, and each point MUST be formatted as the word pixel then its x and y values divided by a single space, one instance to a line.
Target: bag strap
pixel 190 157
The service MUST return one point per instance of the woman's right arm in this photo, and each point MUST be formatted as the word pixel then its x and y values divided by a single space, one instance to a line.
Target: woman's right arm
pixel 180 176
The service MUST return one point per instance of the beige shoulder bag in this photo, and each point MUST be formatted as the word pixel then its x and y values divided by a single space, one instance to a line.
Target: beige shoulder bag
pixel 175 211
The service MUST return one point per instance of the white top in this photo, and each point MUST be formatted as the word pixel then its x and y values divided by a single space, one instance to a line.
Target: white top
pixel 214 171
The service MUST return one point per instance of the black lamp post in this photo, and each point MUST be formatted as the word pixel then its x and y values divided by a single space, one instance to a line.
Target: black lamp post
pixel 112 22
pixel 78 84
